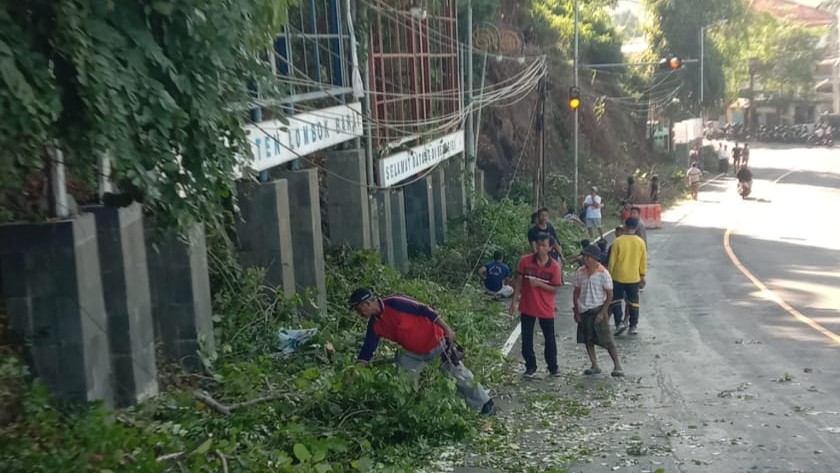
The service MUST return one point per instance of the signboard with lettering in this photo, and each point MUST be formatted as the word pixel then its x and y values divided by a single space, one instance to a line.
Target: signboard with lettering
pixel 400 166
pixel 273 143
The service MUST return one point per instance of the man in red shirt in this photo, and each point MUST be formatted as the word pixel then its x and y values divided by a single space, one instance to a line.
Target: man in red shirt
pixel 538 277
pixel 423 335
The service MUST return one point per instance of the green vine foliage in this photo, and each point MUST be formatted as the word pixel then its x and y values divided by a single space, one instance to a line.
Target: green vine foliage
pixel 157 84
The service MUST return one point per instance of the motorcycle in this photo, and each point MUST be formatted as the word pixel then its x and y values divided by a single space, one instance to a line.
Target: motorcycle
pixel 744 188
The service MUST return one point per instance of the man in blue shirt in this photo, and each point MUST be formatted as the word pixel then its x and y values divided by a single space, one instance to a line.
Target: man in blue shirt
pixel 496 275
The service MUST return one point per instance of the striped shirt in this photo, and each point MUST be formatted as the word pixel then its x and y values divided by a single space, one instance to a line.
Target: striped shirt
pixel 592 287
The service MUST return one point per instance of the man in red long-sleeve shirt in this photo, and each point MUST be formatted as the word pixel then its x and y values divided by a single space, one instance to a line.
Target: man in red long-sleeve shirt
pixel 423 335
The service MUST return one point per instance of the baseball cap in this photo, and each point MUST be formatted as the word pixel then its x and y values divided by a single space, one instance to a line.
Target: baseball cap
pixel 360 295
pixel 631 223
pixel 593 251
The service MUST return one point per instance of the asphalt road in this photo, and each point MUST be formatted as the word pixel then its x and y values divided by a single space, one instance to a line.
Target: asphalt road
pixel 737 364
pixel 734 379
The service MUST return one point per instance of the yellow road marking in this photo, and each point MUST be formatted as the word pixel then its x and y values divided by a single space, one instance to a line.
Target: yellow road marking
pixel 773 296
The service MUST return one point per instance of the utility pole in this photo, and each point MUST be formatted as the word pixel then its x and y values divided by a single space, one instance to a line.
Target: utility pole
pixel 539 169
pixel 702 64
pixel 470 138
pixel 577 110
pixel 541 125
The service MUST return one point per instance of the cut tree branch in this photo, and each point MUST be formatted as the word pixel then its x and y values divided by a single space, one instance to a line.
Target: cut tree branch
pixel 227 409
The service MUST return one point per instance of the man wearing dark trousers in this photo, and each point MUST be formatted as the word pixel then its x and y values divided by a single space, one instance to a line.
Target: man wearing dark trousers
pixel 627 265
pixel 424 337
pixel 538 277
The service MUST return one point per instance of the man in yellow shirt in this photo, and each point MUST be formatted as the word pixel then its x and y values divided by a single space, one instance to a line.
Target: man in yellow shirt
pixel 627 265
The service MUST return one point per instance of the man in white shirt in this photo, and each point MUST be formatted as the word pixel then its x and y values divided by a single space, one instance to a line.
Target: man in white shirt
pixel 592 295
pixel 723 159
pixel 694 174
pixel 592 203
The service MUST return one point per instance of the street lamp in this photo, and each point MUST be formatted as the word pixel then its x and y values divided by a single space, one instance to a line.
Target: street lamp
pixel 703 60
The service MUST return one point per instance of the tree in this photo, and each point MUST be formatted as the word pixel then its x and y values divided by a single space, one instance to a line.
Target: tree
pixel 784 56
pixel 160 86
pixel 675 27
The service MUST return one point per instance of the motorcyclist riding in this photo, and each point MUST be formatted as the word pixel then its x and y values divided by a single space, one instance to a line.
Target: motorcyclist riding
pixel 745 177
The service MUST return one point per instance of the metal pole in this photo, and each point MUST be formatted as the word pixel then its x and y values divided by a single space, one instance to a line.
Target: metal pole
pixel 60 202
pixel 470 138
pixel 702 63
pixel 364 14
pixel 478 118
pixel 577 110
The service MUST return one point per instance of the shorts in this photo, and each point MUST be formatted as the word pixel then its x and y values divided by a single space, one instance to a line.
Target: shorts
pixel 695 186
pixel 593 223
pixel 589 332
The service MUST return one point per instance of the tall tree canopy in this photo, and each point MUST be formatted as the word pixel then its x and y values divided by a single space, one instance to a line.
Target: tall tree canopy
pixel 784 55
pixel 154 83
pixel 674 29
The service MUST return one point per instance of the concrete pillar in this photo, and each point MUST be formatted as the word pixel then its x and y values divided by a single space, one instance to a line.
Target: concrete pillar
pixel 398 234
pixel 264 230
pixel 53 290
pixel 128 301
pixel 479 183
pixel 420 217
pixel 307 239
pixel 180 284
pixel 386 227
pixel 439 198
pixel 456 195
pixel 348 206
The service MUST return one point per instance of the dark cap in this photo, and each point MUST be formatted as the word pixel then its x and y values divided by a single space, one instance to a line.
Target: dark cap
pixel 360 295
pixel 631 223
pixel 593 251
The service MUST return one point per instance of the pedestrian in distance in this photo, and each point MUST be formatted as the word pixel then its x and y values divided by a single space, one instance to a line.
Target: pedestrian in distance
pixel 538 278
pixel 745 155
pixel 694 174
pixel 723 159
pixel 626 207
pixel 627 265
pixel 592 203
pixel 496 277
pixel 654 188
pixel 630 195
pixel 591 301
pixel 424 337
pixel 641 230
pixel 543 225
pixel 736 157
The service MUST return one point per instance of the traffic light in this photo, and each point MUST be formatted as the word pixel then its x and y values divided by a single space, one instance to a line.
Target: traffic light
pixel 574 98
pixel 670 63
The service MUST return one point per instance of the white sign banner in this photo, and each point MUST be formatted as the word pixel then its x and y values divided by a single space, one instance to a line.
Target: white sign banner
pixel 400 166
pixel 274 143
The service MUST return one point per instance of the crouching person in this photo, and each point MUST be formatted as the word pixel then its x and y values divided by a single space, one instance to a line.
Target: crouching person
pixel 422 334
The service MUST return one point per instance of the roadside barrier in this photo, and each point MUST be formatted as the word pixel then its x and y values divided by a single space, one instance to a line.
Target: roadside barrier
pixel 651 214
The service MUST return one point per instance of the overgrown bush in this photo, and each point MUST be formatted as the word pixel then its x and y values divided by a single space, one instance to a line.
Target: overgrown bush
pixel 319 412
pixel 493 225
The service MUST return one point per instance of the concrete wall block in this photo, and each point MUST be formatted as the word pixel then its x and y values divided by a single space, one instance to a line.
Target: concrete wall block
pixel 182 306
pixel 264 232
pixel 398 230
pixel 420 217
pixel 307 239
pixel 456 195
pixel 56 304
pixel 385 226
pixel 439 198
pixel 348 206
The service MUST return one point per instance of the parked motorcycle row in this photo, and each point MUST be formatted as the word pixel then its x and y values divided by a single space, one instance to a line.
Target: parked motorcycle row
pixel 805 134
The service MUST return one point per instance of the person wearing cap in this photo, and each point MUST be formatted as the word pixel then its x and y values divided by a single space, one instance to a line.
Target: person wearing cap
pixel 694 174
pixel 496 275
pixel 627 265
pixel 593 205
pixel 424 337
pixel 592 295
pixel 538 277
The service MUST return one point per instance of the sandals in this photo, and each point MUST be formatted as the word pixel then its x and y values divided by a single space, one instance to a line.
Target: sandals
pixel 617 374
pixel 590 371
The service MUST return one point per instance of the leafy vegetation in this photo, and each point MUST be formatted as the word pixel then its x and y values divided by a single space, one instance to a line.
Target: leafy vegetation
pixel 154 84
pixel 256 409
